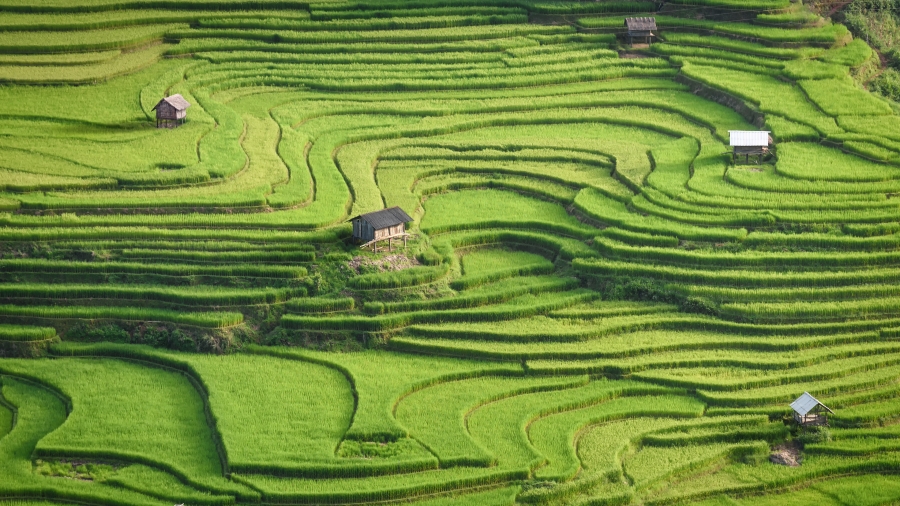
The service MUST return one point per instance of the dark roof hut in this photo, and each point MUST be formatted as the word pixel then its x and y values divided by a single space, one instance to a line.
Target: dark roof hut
pixel 809 411
pixel 641 29
pixel 750 143
pixel 386 224
pixel 171 111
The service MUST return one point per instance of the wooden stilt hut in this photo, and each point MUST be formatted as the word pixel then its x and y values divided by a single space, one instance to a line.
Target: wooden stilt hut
pixel 641 29
pixel 171 111
pixel 384 225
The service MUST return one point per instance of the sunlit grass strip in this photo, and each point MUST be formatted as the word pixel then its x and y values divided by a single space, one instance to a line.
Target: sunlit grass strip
pixel 820 240
pixel 372 58
pixel 739 4
pixel 126 63
pixel 545 330
pixel 471 281
pixel 423 36
pixel 766 260
pixel 601 208
pixel 206 320
pixel 63 41
pixel 294 491
pixel 25 333
pixel 164 486
pixel 733 430
pixel 342 468
pixel 321 305
pixel 814 468
pixel 401 279
pixel 219 256
pixel 66 267
pixel 783 295
pixel 640 239
pixel 40 412
pixel 74 228
pixel 339 51
pixel 192 296
pixel 321 12
pixel 848 373
pixel 750 279
pixel 416 83
pixel 805 311
pixel 738 46
pixel 617 354
pixel 404 23
pixel 399 320
pixel 188 245
pixel 565 247
pixel 492 294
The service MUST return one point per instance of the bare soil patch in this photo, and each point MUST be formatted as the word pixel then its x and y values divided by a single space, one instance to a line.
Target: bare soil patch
pixel 786 454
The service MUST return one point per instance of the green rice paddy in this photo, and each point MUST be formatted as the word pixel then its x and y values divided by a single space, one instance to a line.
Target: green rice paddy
pixel 596 304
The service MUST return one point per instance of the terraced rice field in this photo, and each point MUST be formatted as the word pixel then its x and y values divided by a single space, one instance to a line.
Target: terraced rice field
pixel 596 305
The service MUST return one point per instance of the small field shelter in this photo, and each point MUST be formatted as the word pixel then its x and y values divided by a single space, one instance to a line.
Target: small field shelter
pixel 171 111
pixel 386 224
pixel 809 411
pixel 748 143
pixel 641 30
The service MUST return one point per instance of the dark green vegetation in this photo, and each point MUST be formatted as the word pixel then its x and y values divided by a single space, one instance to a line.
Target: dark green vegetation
pixel 878 22
pixel 596 306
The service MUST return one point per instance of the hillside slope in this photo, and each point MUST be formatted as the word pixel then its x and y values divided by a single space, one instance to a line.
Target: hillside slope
pixel 597 304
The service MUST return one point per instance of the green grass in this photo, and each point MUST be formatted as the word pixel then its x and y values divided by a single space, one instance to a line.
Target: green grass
pixel 273 445
pixel 576 215
pixel 208 320
pixel 840 97
pixel 175 435
pixel 41 412
pixel 554 435
pixel 380 379
pixel 6 419
pixel 154 483
pixel 483 266
pixel 25 333
pixel 435 416
pixel 496 209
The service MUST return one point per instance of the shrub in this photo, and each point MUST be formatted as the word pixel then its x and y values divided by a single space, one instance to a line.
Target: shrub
pixel 87 332
pixel 887 84
pixel 814 435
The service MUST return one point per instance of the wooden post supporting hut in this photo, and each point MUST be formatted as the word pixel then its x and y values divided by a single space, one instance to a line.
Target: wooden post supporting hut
pixel 384 225
pixel 747 144
pixel 809 411
pixel 641 29
pixel 171 111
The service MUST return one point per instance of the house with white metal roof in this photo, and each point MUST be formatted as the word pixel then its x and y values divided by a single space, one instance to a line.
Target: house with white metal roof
pixel 809 411
pixel 749 143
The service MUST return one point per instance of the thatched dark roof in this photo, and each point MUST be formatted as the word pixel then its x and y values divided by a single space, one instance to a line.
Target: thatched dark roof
pixel 176 101
pixel 385 218
pixel 640 24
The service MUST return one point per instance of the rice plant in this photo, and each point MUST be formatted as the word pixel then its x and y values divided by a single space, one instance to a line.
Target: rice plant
pixel 576 219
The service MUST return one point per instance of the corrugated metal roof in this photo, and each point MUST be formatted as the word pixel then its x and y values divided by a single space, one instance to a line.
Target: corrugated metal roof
pixel 805 403
pixel 742 138
pixel 641 24
pixel 176 101
pixel 385 218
